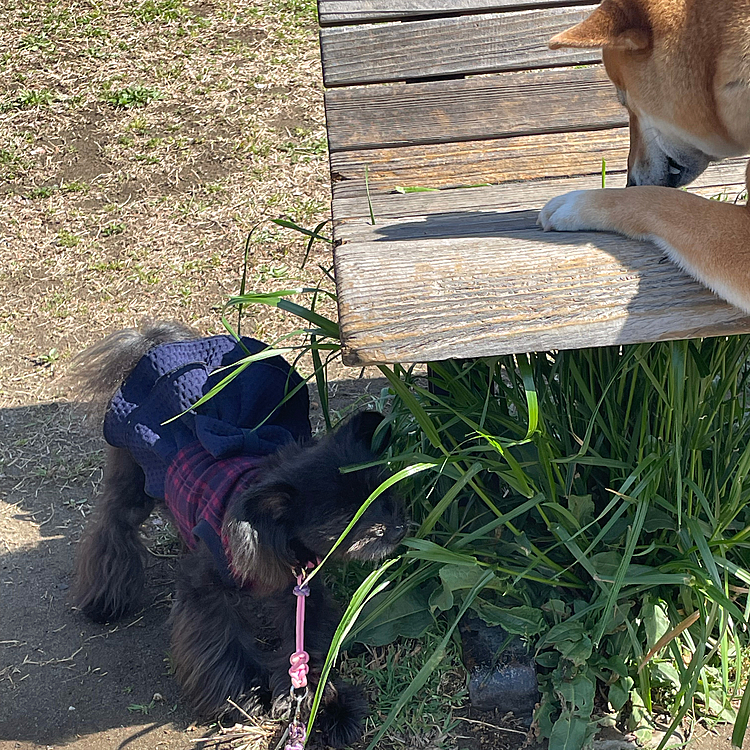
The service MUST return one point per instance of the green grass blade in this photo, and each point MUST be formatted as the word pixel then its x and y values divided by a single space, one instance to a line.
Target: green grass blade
pixel 377 492
pixel 743 714
pixel 432 663
pixel 403 392
pixel 368 589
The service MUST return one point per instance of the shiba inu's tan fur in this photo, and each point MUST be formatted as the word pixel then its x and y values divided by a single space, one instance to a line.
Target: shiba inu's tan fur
pixel 682 69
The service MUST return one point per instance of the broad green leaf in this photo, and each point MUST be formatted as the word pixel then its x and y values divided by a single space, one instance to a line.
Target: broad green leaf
pixel 569 732
pixel 665 672
pixel 557 608
pixel 442 599
pixel 572 640
pixel 543 715
pixel 407 617
pixel 617 665
pixel 457 577
pixel 581 507
pixel 655 621
pixel 606 564
pixel 548 659
pixel 619 692
pixel 578 694
pixel 569 630
pixel 526 621
pixel 576 651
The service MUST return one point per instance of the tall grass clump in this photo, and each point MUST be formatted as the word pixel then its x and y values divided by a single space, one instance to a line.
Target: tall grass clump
pixel 593 502
pixel 605 489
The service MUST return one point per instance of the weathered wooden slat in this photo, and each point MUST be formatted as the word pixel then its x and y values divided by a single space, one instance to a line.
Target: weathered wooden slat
pixel 494 106
pixel 358 11
pixel 526 291
pixel 446 165
pixel 464 45
pixel 462 273
pixel 725 178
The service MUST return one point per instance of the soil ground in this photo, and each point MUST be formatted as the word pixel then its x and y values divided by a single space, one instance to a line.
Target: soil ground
pixel 140 143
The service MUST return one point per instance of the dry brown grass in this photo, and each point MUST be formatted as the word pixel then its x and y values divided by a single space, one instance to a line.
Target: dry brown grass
pixel 109 213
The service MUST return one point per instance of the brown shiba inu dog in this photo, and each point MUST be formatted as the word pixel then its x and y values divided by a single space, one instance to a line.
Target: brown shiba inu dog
pixel 682 69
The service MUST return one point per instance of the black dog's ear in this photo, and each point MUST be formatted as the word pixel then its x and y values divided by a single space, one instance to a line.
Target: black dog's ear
pixel 362 427
pixel 258 534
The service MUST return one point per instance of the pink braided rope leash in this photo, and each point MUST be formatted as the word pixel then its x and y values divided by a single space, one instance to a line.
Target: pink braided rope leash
pixel 299 665
pixel 299 659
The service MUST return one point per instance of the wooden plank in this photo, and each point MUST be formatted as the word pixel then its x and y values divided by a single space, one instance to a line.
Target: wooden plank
pixel 524 291
pixel 464 45
pixel 495 106
pixel 461 273
pixel 358 11
pixel 464 207
pixel 485 107
pixel 447 165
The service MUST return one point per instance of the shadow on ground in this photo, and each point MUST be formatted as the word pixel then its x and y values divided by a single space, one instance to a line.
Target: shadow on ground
pixel 63 678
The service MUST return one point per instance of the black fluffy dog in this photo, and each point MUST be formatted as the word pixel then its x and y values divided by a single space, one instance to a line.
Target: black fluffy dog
pixel 233 615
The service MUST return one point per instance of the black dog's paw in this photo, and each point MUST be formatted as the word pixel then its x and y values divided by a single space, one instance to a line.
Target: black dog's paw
pixel 109 596
pixel 343 710
pixel 103 609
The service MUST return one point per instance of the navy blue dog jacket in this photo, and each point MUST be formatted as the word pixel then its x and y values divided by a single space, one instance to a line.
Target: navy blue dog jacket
pixel 198 461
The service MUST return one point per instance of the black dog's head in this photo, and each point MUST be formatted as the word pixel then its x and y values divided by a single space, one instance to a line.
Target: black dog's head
pixel 304 502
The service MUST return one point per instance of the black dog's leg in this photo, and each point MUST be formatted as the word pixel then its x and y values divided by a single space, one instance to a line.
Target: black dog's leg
pixel 344 706
pixel 109 573
pixel 342 713
pixel 214 649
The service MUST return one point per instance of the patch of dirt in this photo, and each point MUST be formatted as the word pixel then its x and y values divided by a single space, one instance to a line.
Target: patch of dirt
pixel 63 679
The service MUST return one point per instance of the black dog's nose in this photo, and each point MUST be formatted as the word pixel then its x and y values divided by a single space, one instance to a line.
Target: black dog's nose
pixel 396 533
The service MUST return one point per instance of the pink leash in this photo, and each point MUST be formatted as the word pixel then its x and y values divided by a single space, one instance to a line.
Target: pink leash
pixel 296 733
pixel 299 659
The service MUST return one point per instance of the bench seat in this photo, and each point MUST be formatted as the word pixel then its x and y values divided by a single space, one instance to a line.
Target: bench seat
pixel 450 124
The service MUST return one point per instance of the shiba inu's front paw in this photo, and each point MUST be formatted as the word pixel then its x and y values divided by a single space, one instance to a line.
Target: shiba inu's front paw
pixel 573 212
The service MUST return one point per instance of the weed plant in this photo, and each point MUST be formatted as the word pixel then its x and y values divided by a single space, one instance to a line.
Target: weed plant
pixel 592 502
pixel 130 96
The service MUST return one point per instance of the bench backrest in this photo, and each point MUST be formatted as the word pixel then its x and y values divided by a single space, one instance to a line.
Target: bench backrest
pixel 410 80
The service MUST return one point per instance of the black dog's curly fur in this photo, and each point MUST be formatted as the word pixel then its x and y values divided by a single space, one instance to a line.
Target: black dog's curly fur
pixel 230 642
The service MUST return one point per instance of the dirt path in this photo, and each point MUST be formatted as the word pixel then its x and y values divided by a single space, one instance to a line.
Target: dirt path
pixel 64 679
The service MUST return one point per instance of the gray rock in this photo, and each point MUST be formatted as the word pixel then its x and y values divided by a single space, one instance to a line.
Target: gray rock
pixel 500 679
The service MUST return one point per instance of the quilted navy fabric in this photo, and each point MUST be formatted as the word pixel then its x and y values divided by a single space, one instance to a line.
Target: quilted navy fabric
pixel 247 417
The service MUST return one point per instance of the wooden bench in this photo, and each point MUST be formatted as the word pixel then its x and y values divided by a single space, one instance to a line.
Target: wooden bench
pixel 446 94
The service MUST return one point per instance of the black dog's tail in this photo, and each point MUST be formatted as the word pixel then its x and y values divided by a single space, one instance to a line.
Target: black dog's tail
pixel 100 370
